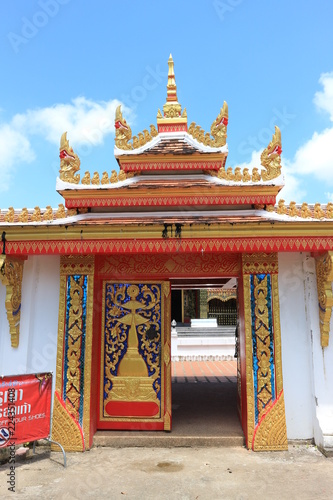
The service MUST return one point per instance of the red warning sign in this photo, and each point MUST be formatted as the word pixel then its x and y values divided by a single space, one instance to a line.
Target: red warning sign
pixel 25 408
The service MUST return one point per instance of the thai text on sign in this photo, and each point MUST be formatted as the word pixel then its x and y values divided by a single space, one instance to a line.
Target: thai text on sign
pixel 25 408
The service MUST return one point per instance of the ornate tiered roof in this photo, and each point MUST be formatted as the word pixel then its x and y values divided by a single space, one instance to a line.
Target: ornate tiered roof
pixel 170 177
pixel 194 159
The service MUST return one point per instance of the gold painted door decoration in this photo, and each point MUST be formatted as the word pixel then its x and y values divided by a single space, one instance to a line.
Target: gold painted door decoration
pixel 135 384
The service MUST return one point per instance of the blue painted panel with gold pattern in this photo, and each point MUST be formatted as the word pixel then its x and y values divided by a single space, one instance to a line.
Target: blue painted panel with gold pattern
pixel 262 343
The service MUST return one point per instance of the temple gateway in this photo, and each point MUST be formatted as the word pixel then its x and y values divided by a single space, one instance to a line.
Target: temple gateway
pixel 89 290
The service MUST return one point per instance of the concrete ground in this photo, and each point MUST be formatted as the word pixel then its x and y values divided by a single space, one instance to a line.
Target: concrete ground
pixel 202 458
pixel 176 473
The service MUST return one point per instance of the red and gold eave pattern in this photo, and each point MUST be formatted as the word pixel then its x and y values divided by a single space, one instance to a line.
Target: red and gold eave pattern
pixel 181 194
pixel 167 233
pixel 169 245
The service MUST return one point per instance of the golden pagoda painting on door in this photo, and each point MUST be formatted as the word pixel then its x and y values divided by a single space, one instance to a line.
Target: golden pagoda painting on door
pixel 135 370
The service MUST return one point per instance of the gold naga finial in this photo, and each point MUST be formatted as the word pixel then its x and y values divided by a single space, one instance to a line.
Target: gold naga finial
pixel 218 130
pixel 69 162
pixel 123 131
pixel 271 157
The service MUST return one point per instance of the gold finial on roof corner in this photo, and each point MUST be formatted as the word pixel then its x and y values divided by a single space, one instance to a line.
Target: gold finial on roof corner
pixel 123 131
pixel 123 134
pixel 69 162
pixel 271 157
pixel 218 130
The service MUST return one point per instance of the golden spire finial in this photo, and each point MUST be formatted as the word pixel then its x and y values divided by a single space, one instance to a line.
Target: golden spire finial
pixel 171 86
pixel 172 110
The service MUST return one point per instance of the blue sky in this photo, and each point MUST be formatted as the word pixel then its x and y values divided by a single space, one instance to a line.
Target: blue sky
pixel 66 64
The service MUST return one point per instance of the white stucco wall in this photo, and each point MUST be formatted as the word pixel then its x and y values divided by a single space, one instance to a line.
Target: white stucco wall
pixel 296 347
pixel 322 364
pixel 39 320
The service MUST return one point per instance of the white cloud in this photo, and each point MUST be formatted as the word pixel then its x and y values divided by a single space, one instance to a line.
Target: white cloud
pixel 14 148
pixel 254 162
pixel 314 157
pixel 292 190
pixel 86 121
pixel 324 99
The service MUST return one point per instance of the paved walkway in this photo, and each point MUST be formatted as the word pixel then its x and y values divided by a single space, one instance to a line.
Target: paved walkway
pixel 204 371
pixel 301 473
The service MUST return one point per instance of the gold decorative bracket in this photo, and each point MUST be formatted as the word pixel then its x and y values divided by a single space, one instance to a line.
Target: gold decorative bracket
pixel 324 269
pixel 11 274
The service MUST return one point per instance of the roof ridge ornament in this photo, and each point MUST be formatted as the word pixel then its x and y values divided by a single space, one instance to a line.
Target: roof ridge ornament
pixel 218 130
pixel 172 119
pixel 69 162
pixel 124 133
pixel 271 157
pixel 172 108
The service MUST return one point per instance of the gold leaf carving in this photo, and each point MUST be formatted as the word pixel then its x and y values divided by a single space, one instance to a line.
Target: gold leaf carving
pixel 175 264
pixel 260 263
pixel 77 264
pixel 10 215
pixel 61 212
pixel 105 178
pixel 324 269
pixel 218 130
pixel 271 433
pixel 86 178
pixel 271 157
pixel 65 430
pixel 24 216
pixel 48 214
pixel 95 179
pixel 69 162
pixel 11 275
pixel 124 134
pixel 36 216
pixel 305 211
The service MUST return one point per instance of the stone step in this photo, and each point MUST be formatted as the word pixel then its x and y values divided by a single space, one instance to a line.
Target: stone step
pixel 124 439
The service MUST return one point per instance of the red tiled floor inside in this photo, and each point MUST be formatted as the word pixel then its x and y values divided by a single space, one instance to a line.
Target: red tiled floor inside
pixel 204 371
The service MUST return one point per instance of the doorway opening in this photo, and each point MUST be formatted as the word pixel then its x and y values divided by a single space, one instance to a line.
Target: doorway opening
pixel 205 372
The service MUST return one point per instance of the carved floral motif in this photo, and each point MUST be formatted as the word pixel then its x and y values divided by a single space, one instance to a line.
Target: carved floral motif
pixel 324 269
pixel 11 274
